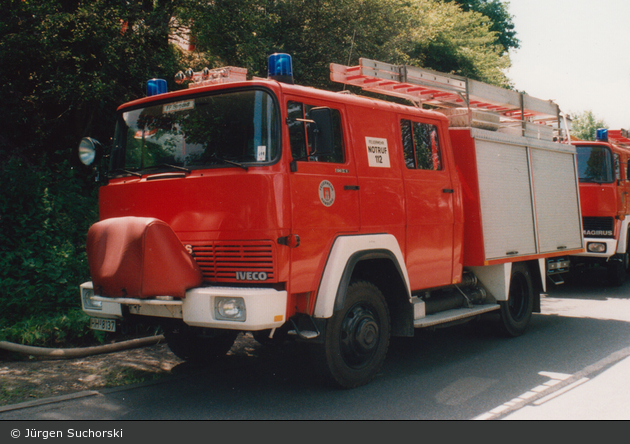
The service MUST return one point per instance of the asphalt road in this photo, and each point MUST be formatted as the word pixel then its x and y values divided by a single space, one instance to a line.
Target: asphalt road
pixel 458 373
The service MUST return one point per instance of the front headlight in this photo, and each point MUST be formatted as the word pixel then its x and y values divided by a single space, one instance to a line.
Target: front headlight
pixel 88 302
pixel 596 247
pixel 230 309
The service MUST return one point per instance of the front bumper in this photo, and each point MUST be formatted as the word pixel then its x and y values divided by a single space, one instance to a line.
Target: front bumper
pixel 264 307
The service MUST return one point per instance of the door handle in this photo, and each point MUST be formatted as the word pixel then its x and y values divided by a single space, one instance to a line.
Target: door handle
pixel 351 187
pixel 448 190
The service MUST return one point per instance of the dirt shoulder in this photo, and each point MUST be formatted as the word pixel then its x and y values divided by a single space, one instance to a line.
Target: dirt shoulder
pixel 30 378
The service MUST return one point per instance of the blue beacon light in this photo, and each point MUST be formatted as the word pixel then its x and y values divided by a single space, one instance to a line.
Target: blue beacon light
pixel 155 87
pixel 280 68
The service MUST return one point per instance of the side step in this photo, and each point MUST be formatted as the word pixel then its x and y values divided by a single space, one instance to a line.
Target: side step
pixel 453 315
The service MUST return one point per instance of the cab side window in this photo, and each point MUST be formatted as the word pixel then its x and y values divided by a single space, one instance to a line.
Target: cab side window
pixel 421 145
pixel 301 135
pixel 617 167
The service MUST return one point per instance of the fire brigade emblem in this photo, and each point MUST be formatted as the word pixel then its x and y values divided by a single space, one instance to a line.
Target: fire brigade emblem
pixel 326 193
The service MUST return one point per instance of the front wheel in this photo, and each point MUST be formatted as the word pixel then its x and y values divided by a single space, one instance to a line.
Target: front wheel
pixel 516 312
pixel 619 266
pixel 357 337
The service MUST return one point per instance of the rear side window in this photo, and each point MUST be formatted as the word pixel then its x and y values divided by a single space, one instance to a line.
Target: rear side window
pixel 421 145
pixel 301 135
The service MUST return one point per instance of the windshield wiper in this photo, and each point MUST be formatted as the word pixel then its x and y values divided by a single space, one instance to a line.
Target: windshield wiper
pixel 122 170
pixel 230 162
pixel 167 165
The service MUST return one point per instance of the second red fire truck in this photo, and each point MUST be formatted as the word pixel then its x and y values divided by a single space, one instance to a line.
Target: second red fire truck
pixel 291 212
pixel 605 203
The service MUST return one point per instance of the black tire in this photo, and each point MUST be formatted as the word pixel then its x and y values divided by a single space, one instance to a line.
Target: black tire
pixel 356 337
pixel 619 266
pixel 516 312
pixel 198 345
pixel 616 271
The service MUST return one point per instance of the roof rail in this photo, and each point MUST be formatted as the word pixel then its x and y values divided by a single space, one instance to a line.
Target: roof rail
pixel 620 137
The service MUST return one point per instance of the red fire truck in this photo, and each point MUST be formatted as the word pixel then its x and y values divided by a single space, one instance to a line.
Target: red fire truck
pixel 604 195
pixel 339 220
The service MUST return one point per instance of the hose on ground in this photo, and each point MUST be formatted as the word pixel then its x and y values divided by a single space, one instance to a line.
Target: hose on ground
pixel 71 353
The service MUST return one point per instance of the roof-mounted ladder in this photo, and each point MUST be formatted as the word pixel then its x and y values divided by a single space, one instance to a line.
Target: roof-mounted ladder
pixel 424 86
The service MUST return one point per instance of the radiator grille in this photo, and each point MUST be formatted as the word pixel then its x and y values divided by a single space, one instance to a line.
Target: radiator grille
pixel 598 226
pixel 227 261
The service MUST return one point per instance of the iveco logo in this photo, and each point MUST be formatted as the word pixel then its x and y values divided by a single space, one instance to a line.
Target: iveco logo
pixel 251 276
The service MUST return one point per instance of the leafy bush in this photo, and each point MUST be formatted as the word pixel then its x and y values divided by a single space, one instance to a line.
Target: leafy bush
pixel 44 217
pixel 54 331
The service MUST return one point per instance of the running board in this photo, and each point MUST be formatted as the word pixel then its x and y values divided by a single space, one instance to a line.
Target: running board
pixel 455 314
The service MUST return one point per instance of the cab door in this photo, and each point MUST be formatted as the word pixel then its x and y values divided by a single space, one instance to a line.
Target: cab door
pixel 429 195
pixel 324 190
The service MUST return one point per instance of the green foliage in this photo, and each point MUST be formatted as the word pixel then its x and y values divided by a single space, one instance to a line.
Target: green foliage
pixel 441 37
pixel 70 329
pixel 428 33
pixel 44 217
pixel 585 124
pixel 499 20
pixel 66 66
pixel 129 376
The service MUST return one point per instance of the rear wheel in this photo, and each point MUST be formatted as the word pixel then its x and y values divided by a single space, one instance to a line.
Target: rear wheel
pixel 198 344
pixel 516 312
pixel 357 337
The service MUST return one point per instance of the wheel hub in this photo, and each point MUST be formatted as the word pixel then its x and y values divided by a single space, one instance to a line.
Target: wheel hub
pixel 360 336
pixel 367 335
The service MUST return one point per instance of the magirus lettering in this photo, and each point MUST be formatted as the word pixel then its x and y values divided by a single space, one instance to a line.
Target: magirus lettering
pixel 251 276
pixel 598 233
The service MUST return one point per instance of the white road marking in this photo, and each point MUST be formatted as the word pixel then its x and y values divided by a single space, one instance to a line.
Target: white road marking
pixel 525 398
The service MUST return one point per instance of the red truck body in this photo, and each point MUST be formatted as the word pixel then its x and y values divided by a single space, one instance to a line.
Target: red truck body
pixel 345 220
pixel 604 195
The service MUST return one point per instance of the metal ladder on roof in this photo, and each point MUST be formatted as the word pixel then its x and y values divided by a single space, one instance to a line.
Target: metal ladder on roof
pixel 446 91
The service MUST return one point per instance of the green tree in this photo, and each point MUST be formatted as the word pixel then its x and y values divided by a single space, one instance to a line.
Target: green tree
pixel 69 63
pixel 585 124
pixel 439 35
pixel 428 33
pixel 66 65
pixel 500 20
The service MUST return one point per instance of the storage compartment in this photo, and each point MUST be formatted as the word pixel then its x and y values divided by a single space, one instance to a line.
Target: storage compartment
pixel 520 196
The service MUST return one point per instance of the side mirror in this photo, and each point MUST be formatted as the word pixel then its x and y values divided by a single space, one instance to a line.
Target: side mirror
pixel 89 151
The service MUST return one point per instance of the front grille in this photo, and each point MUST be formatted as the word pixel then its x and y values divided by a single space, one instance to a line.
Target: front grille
pixel 236 261
pixel 598 226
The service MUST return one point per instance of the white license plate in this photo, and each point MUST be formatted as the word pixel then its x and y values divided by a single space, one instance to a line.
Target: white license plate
pixel 102 324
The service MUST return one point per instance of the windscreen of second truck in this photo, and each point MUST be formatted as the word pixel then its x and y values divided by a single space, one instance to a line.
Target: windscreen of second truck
pixel 199 132
pixel 595 164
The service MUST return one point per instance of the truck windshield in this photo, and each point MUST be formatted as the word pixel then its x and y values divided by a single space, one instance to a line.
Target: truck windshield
pixel 595 164
pixel 225 129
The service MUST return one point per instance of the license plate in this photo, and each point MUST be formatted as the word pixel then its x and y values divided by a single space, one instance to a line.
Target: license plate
pixel 102 324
